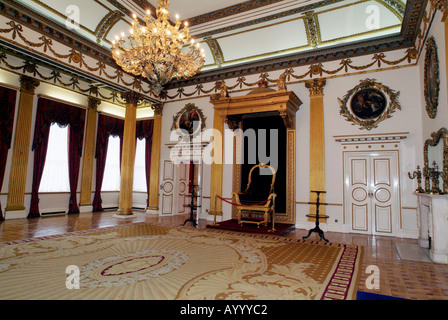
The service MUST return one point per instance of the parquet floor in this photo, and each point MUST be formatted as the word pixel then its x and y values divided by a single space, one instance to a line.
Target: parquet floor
pixel 399 277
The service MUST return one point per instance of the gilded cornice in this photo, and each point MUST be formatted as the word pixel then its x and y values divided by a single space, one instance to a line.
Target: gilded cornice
pixel 216 50
pixel 106 24
pixel 52 30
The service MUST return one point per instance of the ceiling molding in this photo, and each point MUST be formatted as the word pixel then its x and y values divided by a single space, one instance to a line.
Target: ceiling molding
pixel 406 39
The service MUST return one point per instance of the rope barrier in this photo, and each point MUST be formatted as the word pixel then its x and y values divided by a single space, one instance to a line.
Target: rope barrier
pixel 243 205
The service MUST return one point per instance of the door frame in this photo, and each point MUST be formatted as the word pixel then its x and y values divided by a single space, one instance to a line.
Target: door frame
pixel 395 216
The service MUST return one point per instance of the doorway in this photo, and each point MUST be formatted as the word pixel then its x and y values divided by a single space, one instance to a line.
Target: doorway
pixel 372 192
pixel 176 188
pixel 269 147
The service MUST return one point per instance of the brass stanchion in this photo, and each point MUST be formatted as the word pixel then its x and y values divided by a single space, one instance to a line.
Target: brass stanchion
pixel 214 213
pixel 273 216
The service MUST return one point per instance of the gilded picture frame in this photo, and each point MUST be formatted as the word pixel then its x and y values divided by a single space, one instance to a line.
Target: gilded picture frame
pixel 431 78
pixel 189 122
pixel 369 103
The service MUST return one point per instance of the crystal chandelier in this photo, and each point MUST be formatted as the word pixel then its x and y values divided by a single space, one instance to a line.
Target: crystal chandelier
pixel 158 51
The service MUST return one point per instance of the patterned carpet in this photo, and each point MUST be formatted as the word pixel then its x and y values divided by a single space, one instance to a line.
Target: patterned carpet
pixel 152 261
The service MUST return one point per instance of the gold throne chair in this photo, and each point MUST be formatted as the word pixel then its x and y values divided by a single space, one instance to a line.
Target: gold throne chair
pixel 257 201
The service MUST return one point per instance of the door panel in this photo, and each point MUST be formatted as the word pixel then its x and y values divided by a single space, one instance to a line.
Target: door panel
pixel 182 189
pixel 359 172
pixel 360 217
pixel 381 173
pixel 359 194
pixel 383 218
pixel 167 187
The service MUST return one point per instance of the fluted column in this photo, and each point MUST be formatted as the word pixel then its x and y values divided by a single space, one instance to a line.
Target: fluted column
pixel 128 154
pixel 217 167
pixel 445 20
pixel 317 142
pixel 153 203
pixel 21 148
pixel 89 156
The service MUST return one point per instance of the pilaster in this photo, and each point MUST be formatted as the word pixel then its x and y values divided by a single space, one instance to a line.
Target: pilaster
pixel 128 154
pixel 89 155
pixel 317 141
pixel 21 148
pixel 153 203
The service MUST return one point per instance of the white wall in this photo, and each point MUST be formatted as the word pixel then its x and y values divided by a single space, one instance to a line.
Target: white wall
pixel 406 120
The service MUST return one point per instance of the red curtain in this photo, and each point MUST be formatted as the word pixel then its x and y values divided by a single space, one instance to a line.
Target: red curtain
pixel 49 112
pixel 107 126
pixel 144 131
pixel 7 110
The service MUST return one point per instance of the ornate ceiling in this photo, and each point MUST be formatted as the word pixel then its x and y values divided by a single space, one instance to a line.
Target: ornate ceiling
pixel 239 37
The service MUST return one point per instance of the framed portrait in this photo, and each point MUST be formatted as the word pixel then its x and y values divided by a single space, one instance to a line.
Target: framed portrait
pixel 431 78
pixel 189 121
pixel 369 103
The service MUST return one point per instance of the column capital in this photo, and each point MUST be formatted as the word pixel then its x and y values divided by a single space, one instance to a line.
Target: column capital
pixel 93 103
pixel 132 97
pixel 158 108
pixel 316 86
pixel 28 84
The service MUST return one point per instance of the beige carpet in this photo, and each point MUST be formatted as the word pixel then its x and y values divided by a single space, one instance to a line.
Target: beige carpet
pixel 150 261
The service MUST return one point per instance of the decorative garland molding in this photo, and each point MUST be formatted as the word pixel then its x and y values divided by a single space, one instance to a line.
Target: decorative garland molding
pixel 290 75
pixel 62 79
pixel 46 49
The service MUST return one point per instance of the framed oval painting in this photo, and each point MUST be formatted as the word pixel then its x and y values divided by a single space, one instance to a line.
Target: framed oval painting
pixel 189 121
pixel 431 78
pixel 369 103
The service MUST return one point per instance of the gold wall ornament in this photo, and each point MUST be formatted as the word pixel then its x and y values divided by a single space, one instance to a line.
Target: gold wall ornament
pixel 440 136
pixel 154 50
pixel 189 122
pixel 369 103
pixel 431 78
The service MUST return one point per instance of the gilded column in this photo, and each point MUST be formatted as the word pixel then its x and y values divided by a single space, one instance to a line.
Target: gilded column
pixel 21 149
pixel 153 203
pixel 445 21
pixel 317 142
pixel 89 155
pixel 128 154
pixel 217 167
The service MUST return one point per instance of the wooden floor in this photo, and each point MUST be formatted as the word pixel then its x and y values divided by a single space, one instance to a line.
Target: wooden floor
pixel 399 277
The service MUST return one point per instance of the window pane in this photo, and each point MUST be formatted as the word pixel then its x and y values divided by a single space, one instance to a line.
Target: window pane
pixel 111 180
pixel 55 176
pixel 139 167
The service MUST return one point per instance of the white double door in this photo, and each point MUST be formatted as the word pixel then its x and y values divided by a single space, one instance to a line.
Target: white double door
pixel 174 188
pixel 371 191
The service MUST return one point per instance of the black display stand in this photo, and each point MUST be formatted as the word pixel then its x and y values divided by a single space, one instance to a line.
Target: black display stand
pixel 193 207
pixel 316 228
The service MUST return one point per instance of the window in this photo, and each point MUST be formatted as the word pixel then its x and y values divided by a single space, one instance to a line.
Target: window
pixel 139 166
pixel 55 177
pixel 112 179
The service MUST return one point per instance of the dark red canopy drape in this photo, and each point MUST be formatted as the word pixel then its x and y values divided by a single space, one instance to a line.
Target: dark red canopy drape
pixel 49 112
pixel 144 131
pixel 107 126
pixel 7 111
